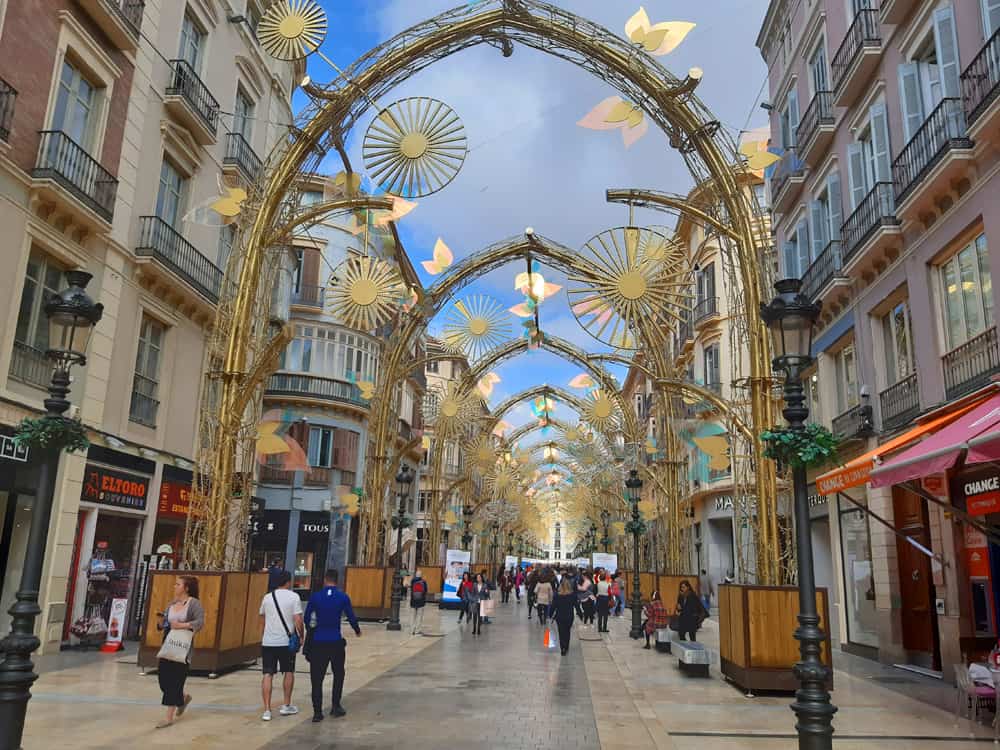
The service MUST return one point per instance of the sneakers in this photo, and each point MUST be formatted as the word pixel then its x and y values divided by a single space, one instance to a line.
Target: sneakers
pixel 288 710
pixel 266 716
pixel 338 711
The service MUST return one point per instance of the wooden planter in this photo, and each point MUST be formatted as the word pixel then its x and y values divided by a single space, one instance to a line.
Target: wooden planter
pixel 231 635
pixel 670 588
pixel 370 590
pixel 756 642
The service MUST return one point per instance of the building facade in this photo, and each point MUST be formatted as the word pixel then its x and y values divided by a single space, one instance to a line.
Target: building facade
pixel 884 205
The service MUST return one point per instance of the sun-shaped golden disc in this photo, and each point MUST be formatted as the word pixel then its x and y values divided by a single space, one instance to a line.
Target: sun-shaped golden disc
pixel 449 408
pixel 415 147
pixel 292 29
pixel 600 411
pixel 640 291
pixel 365 292
pixel 483 451
pixel 476 325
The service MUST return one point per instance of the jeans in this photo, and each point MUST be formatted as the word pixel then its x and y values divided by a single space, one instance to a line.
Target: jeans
pixel 603 610
pixel 477 620
pixel 418 619
pixel 325 655
pixel 505 596
pixel 543 610
pixel 707 601
pixel 588 611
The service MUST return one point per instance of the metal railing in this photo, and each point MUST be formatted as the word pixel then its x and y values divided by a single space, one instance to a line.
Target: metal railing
pixel 706 308
pixel 900 403
pixel 62 159
pixel 314 386
pixel 144 405
pixel 241 155
pixel 855 422
pixel 129 11
pixel 185 83
pixel 819 112
pixel 822 270
pixel 878 209
pixel 970 365
pixel 30 365
pixel 943 130
pixel 864 32
pixel 8 96
pixel 981 80
pixel 309 296
pixel 159 240
pixel 714 475
pixel 790 166
pixel 318 476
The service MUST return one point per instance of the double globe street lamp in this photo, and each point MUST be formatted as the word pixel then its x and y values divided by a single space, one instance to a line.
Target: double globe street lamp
pixel 403 481
pixel 791 317
pixel 72 316
pixel 633 494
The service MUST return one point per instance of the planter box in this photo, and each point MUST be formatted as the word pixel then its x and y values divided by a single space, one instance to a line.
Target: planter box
pixel 231 636
pixel 670 587
pixel 370 590
pixel 756 635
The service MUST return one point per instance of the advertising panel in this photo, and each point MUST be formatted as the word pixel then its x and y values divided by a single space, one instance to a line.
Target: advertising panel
pixel 456 563
pixel 607 561
pixel 509 562
pixel 110 487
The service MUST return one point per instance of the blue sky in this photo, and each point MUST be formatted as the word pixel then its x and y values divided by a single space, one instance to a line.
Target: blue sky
pixel 529 164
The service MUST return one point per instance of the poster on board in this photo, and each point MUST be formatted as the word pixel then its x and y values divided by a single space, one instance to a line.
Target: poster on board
pixel 509 562
pixel 607 561
pixel 456 563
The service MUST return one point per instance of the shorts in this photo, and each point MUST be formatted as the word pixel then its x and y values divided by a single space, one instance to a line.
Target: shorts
pixel 277 659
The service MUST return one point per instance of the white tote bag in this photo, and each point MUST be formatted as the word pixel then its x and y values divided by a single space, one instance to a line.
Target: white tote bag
pixel 176 646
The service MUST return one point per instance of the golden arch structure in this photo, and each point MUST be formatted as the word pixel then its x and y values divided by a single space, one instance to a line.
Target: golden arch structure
pixel 223 466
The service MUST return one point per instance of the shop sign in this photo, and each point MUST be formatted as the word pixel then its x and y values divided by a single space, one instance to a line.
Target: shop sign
pixel 977 557
pixel 175 500
pixel 269 523
pixel 315 529
pixel 982 494
pixel 935 485
pixel 117 488
pixel 12 451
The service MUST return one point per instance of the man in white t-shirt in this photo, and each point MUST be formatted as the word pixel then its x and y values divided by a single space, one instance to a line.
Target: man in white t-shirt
pixel 280 604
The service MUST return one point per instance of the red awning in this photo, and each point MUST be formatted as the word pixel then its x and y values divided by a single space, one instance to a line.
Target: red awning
pixel 941 450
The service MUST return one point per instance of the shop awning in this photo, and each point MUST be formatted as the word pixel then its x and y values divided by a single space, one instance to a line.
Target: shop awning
pixel 942 449
pixel 858 471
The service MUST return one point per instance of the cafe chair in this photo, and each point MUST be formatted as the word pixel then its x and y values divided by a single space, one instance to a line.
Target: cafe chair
pixel 969 697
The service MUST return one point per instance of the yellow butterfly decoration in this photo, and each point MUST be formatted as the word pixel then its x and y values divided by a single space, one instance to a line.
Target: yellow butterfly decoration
pixel 400 208
pixel 347 184
pixel 758 157
pixel 268 442
pixel 229 205
pixel 523 310
pixel 647 508
pixel 501 428
pixel 615 113
pixel 443 258
pixel 349 502
pixel 486 383
pixel 425 443
pixel 583 380
pixel 656 39
pixel 535 286
pixel 651 445
pixel 450 518
pixel 716 447
pixel 618 528
pixel 367 389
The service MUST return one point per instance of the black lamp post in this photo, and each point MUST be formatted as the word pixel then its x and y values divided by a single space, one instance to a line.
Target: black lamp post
pixel 791 316
pixel 467 513
pixel 605 540
pixel 72 316
pixel 495 546
pixel 633 493
pixel 403 480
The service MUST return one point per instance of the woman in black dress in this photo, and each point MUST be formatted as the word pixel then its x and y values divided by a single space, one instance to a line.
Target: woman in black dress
pixel 563 607
pixel 690 611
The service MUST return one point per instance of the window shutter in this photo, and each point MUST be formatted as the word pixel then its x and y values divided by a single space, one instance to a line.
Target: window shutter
pixel 856 174
pixel 836 205
pixel 819 226
pixel 880 144
pixel 947 51
pixel 793 116
pixel 802 245
pixel 991 17
pixel 910 99
pixel 710 280
pixel 791 261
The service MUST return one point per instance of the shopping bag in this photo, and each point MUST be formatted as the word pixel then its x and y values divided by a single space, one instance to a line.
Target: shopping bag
pixel 486 608
pixel 549 640
pixel 176 646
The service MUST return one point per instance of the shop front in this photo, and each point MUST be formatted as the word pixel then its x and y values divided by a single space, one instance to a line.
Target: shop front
pixel 274 534
pixel 16 501
pixel 171 517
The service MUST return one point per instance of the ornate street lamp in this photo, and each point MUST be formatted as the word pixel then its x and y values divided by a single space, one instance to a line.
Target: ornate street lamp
pixel 467 513
pixel 403 480
pixel 633 494
pixel 605 519
pixel 72 316
pixel 792 316
pixel 495 546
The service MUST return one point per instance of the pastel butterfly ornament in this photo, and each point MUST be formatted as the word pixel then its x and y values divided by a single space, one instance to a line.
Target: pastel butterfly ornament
pixel 615 113
pixel 443 258
pixel 656 39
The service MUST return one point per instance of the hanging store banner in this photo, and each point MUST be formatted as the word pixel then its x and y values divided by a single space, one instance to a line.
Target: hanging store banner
pixel 456 563
pixel 607 561
pixel 175 500
pixel 110 487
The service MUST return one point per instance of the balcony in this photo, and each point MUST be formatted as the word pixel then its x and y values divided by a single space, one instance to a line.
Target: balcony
pixel 165 247
pixel 870 230
pixel 76 184
pixel 144 405
pixel 8 96
pixel 900 403
pixel 981 89
pixel 933 162
pixel 971 365
pixel 317 476
pixel 706 310
pixel 191 103
pixel 787 180
pixel 815 132
pixel 895 11
pixel 857 57
pixel 309 296
pixel 30 366
pixel 854 423
pixel 822 272
pixel 314 387
pixel 240 159
pixel 120 20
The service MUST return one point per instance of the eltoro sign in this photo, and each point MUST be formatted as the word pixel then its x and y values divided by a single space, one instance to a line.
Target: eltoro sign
pixel 110 487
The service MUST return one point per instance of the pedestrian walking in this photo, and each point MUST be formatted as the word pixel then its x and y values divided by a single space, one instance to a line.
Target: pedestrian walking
pixel 531 583
pixel 544 591
pixel 618 593
pixel 464 590
pixel 707 589
pixel 183 618
pixel 274 573
pixel 690 611
pixel 585 597
pixel 328 649
pixel 603 603
pixel 280 618
pixel 519 585
pixel 562 612
pixel 480 593
pixel 506 584
pixel 657 617
pixel 418 598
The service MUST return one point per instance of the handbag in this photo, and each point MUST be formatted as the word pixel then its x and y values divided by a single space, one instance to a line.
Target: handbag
pixel 293 638
pixel 486 607
pixel 176 646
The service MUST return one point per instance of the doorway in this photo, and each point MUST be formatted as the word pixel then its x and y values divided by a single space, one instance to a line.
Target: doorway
pixel 15 522
pixel 916 584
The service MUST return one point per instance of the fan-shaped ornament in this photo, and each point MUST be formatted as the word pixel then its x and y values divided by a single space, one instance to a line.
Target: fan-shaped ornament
pixel 415 147
pixel 449 409
pixel 476 325
pixel 365 292
pixel 482 452
pixel 292 30
pixel 640 289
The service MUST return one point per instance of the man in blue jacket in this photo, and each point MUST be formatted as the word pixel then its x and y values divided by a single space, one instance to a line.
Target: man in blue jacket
pixel 328 647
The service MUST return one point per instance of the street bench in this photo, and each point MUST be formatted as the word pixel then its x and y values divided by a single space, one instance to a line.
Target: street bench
pixel 663 640
pixel 693 658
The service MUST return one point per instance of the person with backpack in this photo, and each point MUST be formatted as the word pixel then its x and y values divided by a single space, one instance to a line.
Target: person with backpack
pixel 283 631
pixel 418 598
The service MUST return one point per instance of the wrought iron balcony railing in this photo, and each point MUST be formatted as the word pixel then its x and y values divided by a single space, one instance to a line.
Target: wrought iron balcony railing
pixel 878 209
pixel 856 422
pixel 900 403
pixel 129 11
pixel 185 83
pixel 8 96
pixel 309 296
pixel 314 386
pixel 790 166
pixel 819 112
pixel 943 130
pixel 822 270
pixel 160 241
pixel 705 308
pixel 981 80
pixel 61 159
pixel 30 365
pixel 144 405
pixel 241 155
pixel 865 31
pixel 970 365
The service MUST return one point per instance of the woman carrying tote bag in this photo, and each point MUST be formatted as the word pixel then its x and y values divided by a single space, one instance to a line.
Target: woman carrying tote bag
pixel 184 617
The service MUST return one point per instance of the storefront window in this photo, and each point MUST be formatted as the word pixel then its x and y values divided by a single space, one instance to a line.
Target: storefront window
pixel 859 585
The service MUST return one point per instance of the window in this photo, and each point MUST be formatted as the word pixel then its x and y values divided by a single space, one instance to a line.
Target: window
pixel 869 158
pixel 145 384
pixel 76 104
pixel 170 198
pixel 967 290
pixel 426 460
pixel 432 366
pixel 331 353
pixel 243 115
pixel 859 582
pixel 760 193
pixel 297 281
pixel 817 70
pixel 826 216
pixel 991 18
pixel 192 42
pixel 812 398
pixel 705 283
pixel 931 75
pixel 42 279
pixel 423 501
pixel 227 239
pixel 847 379
pixel 321 447
pixel 789 120
pixel 712 375
pixel 897 341
pixel 797 254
